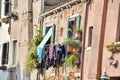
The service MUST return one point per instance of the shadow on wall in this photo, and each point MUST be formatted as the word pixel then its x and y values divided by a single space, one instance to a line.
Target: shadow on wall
pixel 118 26
pixel 18 72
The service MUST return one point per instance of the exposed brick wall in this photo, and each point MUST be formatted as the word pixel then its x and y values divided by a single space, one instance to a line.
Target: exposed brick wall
pixel 60 20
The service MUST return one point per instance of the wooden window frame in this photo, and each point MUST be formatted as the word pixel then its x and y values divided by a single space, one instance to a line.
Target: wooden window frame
pixel 90 34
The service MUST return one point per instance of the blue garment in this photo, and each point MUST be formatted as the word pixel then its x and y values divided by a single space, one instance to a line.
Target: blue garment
pixel 40 52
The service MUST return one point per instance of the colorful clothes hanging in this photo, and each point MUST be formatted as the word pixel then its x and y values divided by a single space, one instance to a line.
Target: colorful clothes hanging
pixel 40 51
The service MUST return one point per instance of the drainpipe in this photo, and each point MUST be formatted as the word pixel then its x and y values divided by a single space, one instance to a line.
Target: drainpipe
pixel 40 19
pixel 102 35
pixel 83 37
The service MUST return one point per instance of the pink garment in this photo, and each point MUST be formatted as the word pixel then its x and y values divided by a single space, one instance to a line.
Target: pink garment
pixel 51 52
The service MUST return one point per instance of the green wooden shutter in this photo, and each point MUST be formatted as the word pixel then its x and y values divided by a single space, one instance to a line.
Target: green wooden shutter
pixel 53 34
pixel 78 21
pixel 67 29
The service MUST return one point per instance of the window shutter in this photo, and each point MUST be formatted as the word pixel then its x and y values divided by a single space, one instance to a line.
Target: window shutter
pixel 78 21
pixel 53 34
pixel 68 28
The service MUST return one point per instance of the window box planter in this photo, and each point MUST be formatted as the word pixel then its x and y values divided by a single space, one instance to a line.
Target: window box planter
pixel 114 47
pixel 72 43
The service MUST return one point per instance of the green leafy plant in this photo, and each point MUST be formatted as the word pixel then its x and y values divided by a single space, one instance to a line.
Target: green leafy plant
pixel 114 47
pixel 70 59
pixel 79 31
pixel 73 42
pixel 31 57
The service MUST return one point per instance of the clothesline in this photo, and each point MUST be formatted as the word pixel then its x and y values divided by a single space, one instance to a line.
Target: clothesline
pixel 53 44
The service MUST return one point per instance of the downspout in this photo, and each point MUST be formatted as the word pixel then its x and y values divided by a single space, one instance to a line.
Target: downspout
pixel 101 44
pixel 40 20
pixel 83 38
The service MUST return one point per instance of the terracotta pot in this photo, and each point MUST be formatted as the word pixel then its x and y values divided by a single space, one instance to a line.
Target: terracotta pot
pixel 5 20
pixel 78 50
pixel 78 35
pixel 77 61
pixel 70 48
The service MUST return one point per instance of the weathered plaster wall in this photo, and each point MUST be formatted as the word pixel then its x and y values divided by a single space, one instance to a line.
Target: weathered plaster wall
pixel 111 35
pixel 60 20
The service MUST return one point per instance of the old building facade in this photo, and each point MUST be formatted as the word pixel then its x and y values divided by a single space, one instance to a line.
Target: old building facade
pixel 4 40
pixel 95 23
pixel 98 19
pixel 20 33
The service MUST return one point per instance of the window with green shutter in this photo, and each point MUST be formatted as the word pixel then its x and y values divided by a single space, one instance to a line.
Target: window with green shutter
pixel 7 6
pixel 73 24
pixel 78 21
pixel 70 26
pixel 52 38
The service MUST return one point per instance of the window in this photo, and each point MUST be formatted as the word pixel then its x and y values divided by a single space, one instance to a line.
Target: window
pixel 52 38
pixel 5 53
pixel 90 36
pixel 72 26
pixel 14 51
pixel 7 6
pixel 15 4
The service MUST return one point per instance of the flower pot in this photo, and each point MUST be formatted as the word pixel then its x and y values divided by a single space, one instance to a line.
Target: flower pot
pixel 77 61
pixel 118 49
pixel 78 49
pixel 5 20
pixel 78 35
pixel 69 48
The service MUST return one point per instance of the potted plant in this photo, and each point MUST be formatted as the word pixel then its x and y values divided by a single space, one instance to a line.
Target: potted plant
pixel 78 34
pixel 72 43
pixel 114 47
pixel 70 59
